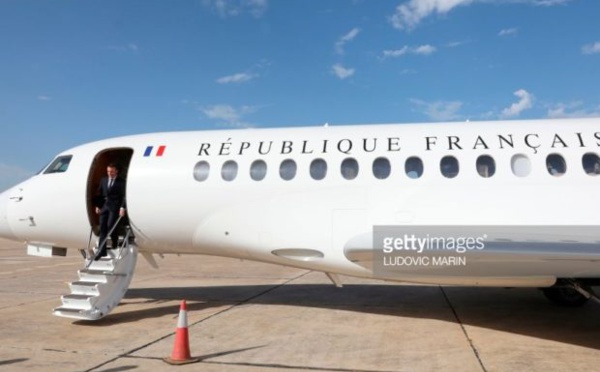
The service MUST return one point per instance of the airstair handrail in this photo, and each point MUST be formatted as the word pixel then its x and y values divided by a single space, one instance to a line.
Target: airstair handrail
pixel 125 244
pixel 103 242
pixel 87 251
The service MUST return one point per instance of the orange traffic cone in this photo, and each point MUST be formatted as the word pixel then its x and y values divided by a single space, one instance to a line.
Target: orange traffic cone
pixel 181 350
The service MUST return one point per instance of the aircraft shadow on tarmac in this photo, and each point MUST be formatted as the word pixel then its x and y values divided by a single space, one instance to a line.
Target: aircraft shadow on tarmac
pixel 523 311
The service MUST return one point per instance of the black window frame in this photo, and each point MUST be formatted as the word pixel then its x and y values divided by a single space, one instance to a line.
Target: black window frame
pixel 59 160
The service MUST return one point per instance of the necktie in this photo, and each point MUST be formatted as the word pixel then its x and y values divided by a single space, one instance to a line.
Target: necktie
pixel 110 183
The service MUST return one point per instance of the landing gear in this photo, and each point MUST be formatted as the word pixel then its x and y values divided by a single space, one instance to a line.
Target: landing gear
pixel 570 293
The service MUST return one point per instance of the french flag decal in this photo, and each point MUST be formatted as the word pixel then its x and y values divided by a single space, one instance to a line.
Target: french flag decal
pixel 150 151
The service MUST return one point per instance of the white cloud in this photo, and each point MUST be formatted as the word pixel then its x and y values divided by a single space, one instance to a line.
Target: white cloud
pixel 10 175
pixel 546 2
pixel 44 98
pixel 232 8
pixel 508 32
pixel 339 45
pixel 455 44
pixel 236 78
pixel 572 110
pixel 591 48
pixel 424 50
pixel 259 69
pixel 228 114
pixel 257 7
pixel 396 52
pixel 410 13
pixel 342 72
pixel 419 50
pixel 525 102
pixel 439 110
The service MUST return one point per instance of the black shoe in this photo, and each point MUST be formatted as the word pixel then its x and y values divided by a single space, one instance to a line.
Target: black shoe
pixel 102 254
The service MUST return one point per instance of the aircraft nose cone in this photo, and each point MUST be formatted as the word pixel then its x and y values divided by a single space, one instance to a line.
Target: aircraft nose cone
pixel 5 231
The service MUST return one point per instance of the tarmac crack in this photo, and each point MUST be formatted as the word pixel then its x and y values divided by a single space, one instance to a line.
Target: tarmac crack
pixel 245 301
pixel 464 330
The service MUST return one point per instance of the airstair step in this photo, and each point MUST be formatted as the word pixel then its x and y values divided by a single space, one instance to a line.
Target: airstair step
pixel 85 288
pixel 98 276
pixel 100 287
pixel 76 301
pixel 86 284
pixel 112 252
pixel 67 312
pixel 105 264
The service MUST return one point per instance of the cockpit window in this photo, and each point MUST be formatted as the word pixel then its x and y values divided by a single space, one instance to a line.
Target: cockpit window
pixel 42 169
pixel 59 165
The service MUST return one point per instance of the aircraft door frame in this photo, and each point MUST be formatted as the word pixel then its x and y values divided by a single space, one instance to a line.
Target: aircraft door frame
pixel 121 156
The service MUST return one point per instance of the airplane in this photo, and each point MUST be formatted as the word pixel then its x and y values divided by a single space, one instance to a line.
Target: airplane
pixel 496 203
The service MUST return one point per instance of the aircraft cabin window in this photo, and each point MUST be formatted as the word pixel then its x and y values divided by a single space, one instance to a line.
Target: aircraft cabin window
pixel 591 164
pixel 201 171
pixel 349 168
pixel 287 169
pixel 318 169
pixel 381 168
pixel 521 165
pixel 59 165
pixel 486 166
pixel 449 166
pixel 229 170
pixel 413 167
pixel 258 170
pixel 556 165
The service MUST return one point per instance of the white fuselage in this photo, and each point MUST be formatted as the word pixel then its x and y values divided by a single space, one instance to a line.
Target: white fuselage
pixel 321 224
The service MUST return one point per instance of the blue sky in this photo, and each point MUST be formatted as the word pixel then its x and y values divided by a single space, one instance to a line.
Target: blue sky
pixel 75 71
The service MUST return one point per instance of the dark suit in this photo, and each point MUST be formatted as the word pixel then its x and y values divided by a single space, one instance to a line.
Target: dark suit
pixel 112 199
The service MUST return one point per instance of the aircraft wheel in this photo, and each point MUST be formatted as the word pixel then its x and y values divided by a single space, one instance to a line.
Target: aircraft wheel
pixel 566 296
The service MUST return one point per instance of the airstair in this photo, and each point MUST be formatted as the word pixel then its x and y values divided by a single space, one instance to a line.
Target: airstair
pixel 102 283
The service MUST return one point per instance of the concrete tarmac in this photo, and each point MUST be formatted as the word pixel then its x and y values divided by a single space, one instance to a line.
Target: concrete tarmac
pixel 247 316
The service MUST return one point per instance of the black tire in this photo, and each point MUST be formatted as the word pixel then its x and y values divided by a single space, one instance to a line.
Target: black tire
pixel 565 296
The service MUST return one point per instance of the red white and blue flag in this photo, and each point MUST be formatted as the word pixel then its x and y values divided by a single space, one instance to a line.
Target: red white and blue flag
pixel 160 150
